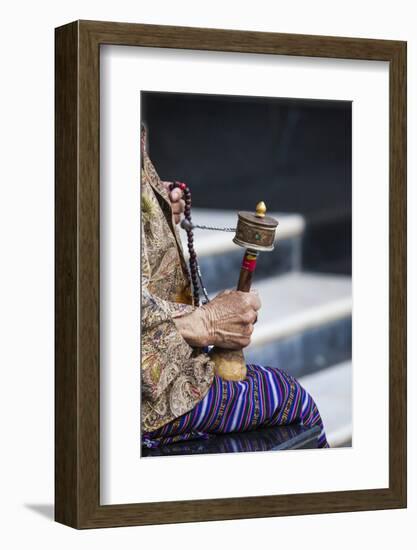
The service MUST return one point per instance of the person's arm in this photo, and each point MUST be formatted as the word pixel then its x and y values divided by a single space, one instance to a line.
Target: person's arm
pixel 170 331
pixel 164 351
pixel 227 321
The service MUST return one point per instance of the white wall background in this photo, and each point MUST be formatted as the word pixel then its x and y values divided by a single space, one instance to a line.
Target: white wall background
pixel 26 271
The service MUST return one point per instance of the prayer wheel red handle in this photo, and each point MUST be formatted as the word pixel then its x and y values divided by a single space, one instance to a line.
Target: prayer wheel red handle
pixel 246 271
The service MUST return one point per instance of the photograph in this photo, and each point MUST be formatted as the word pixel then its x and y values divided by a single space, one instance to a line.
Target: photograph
pixel 246 273
pixel 230 238
pixel 209 250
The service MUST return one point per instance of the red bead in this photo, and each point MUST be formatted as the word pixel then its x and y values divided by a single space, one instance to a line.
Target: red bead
pixel 182 186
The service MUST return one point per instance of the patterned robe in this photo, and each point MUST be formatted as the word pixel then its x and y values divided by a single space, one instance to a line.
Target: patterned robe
pixel 174 376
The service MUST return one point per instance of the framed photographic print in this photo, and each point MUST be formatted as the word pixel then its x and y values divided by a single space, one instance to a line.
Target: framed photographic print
pixel 230 274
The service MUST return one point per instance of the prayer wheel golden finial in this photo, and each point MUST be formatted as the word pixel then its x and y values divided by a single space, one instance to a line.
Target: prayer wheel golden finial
pixel 260 210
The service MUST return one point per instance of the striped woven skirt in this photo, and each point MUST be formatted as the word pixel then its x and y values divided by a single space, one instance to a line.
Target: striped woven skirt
pixel 267 397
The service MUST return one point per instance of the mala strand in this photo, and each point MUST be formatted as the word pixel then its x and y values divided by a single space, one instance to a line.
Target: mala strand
pixel 194 269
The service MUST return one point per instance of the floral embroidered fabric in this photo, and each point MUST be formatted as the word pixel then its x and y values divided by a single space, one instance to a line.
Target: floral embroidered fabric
pixel 174 376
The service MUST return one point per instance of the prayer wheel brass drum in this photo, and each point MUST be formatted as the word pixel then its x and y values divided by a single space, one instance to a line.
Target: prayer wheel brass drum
pixel 256 233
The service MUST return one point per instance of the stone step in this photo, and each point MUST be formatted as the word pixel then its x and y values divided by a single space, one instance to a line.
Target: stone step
pixel 331 389
pixel 304 324
pixel 297 301
pixel 309 351
pixel 220 258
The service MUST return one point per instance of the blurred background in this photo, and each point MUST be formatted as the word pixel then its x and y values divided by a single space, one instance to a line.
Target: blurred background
pixel 294 154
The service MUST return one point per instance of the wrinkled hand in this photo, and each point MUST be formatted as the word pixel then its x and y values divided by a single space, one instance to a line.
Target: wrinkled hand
pixel 230 317
pixel 227 321
pixel 177 201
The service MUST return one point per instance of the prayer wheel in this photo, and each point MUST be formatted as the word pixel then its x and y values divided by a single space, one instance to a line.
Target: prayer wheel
pixel 256 233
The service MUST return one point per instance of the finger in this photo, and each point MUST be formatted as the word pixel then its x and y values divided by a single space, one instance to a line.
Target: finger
pixel 176 195
pixel 177 219
pixel 223 292
pixel 248 330
pixel 245 342
pixel 254 300
pixel 249 317
pixel 177 208
pixel 232 345
pixel 251 299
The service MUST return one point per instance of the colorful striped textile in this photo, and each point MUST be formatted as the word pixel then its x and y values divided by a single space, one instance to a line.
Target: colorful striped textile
pixel 267 397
